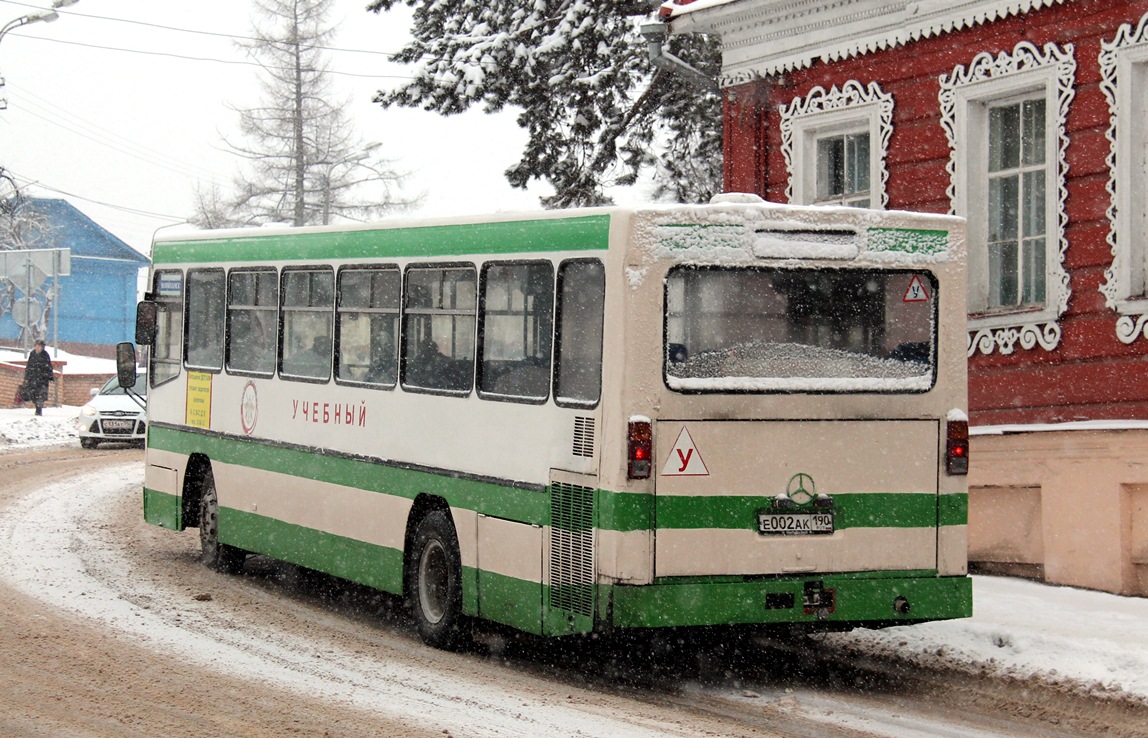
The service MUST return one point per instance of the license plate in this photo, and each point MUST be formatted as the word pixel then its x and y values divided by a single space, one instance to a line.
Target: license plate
pixel 118 424
pixel 794 523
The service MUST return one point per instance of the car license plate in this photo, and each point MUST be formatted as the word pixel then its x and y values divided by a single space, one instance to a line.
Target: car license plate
pixel 794 523
pixel 118 424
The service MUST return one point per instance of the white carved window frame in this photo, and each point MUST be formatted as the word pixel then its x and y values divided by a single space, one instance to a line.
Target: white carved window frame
pixel 1124 80
pixel 965 97
pixel 853 108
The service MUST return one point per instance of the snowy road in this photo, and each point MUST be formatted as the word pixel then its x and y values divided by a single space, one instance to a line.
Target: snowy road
pixel 109 627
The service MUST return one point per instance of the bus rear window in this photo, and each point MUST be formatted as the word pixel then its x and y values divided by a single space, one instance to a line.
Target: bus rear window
pixel 800 330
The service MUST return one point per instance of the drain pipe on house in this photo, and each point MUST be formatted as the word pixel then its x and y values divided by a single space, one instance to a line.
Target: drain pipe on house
pixel 655 34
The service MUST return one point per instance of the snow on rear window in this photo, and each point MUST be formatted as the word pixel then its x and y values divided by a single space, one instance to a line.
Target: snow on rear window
pixel 825 330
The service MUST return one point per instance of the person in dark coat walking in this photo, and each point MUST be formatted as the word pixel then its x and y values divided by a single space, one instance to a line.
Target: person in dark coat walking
pixel 37 374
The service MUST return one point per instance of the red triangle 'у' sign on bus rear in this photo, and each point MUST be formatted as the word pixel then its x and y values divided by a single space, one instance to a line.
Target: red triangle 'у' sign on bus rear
pixel 684 459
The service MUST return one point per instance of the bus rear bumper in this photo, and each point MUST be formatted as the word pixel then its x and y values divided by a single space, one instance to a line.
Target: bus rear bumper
pixel 829 601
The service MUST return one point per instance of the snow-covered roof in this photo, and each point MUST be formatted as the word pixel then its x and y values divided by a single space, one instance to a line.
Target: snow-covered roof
pixel 672 9
pixel 75 364
pixel 72 229
pixel 1075 425
pixel 765 37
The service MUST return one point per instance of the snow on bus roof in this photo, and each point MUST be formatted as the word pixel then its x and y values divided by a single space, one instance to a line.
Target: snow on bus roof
pixel 728 205
pixel 740 231
pixel 404 221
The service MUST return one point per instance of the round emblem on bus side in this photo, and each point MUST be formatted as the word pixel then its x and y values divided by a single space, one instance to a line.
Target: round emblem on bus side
pixel 249 408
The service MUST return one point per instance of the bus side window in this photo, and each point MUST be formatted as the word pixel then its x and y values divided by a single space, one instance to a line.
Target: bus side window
pixel 168 348
pixel 578 340
pixel 368 325
pixel 305 339
pixel 439 319
pixel 252 314
pixel 517 309
pixel 204 319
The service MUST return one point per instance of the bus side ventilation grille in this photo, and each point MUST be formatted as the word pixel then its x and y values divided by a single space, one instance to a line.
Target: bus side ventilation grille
pixel 572 548
pixel 584 437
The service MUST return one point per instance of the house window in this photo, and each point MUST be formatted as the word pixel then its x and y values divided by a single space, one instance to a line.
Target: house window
pixel 1017 176
pixel 834 142
pixel 843 164
pixel 1004 119
pixel 1124 80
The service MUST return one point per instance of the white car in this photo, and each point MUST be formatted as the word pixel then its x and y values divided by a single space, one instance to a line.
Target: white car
pixel 112 415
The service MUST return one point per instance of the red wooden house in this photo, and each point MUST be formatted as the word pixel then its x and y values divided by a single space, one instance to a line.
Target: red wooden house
pixel 1028 117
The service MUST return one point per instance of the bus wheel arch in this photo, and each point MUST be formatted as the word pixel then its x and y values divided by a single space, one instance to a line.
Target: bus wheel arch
pixel 198 465
pixel 201 502
pixel 432 581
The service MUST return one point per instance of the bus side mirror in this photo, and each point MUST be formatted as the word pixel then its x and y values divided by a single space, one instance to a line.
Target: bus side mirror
pixel 146 318
pixel 126 364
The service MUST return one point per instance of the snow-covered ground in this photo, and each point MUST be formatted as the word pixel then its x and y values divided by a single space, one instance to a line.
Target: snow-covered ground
pixel 1022 629
pixel 1019 629
pixel 20 428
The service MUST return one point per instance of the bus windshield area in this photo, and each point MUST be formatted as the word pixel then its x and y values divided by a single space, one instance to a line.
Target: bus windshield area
pixel 783 330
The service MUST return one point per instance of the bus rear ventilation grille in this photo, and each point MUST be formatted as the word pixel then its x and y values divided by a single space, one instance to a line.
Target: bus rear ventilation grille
pixel 584 437
pixel 571 577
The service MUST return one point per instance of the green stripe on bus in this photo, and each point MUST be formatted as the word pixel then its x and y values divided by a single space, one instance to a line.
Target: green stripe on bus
pixel 162 509
pixel 552 234
pixel 625 511
pixel 908 240
pixel 859 596
pixel 616 511
pixel 376 566
pixel 854 510
pixel 856 599
pixel 511 601
pixel 512 503
pixel 953 509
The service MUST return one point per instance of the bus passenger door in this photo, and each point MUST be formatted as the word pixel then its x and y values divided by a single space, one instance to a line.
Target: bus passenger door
pixel 510 573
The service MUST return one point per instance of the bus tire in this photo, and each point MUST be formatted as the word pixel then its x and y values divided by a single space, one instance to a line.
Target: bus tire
pixel 435 592
pixel 213 554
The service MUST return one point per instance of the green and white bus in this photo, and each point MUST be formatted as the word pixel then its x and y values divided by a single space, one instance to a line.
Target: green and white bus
pixel 568 421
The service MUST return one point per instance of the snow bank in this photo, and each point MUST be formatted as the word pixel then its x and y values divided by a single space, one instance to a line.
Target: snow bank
pixel 19 428
pixel 1091 641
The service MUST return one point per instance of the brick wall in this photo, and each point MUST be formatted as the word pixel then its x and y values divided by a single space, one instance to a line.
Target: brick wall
pixel 68 389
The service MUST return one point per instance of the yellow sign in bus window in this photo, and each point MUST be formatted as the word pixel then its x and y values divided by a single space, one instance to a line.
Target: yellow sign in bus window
pixel 198 413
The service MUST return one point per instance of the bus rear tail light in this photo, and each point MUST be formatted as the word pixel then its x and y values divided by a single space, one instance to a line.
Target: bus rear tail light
pixel 957 447
pixel 640 449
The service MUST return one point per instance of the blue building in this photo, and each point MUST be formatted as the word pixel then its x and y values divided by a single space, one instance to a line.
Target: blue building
pixel 96 306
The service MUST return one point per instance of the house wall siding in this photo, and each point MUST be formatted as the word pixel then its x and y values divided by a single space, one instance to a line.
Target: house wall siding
pixel 97 300
pixel 1090 374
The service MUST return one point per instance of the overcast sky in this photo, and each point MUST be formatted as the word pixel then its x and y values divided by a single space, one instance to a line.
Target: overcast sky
pixel 120 107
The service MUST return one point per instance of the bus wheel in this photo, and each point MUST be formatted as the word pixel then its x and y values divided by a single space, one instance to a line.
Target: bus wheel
pixel 216 555
pixel 436 582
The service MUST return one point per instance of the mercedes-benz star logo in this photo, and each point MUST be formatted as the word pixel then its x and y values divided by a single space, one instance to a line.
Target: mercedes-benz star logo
pixel 801 488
